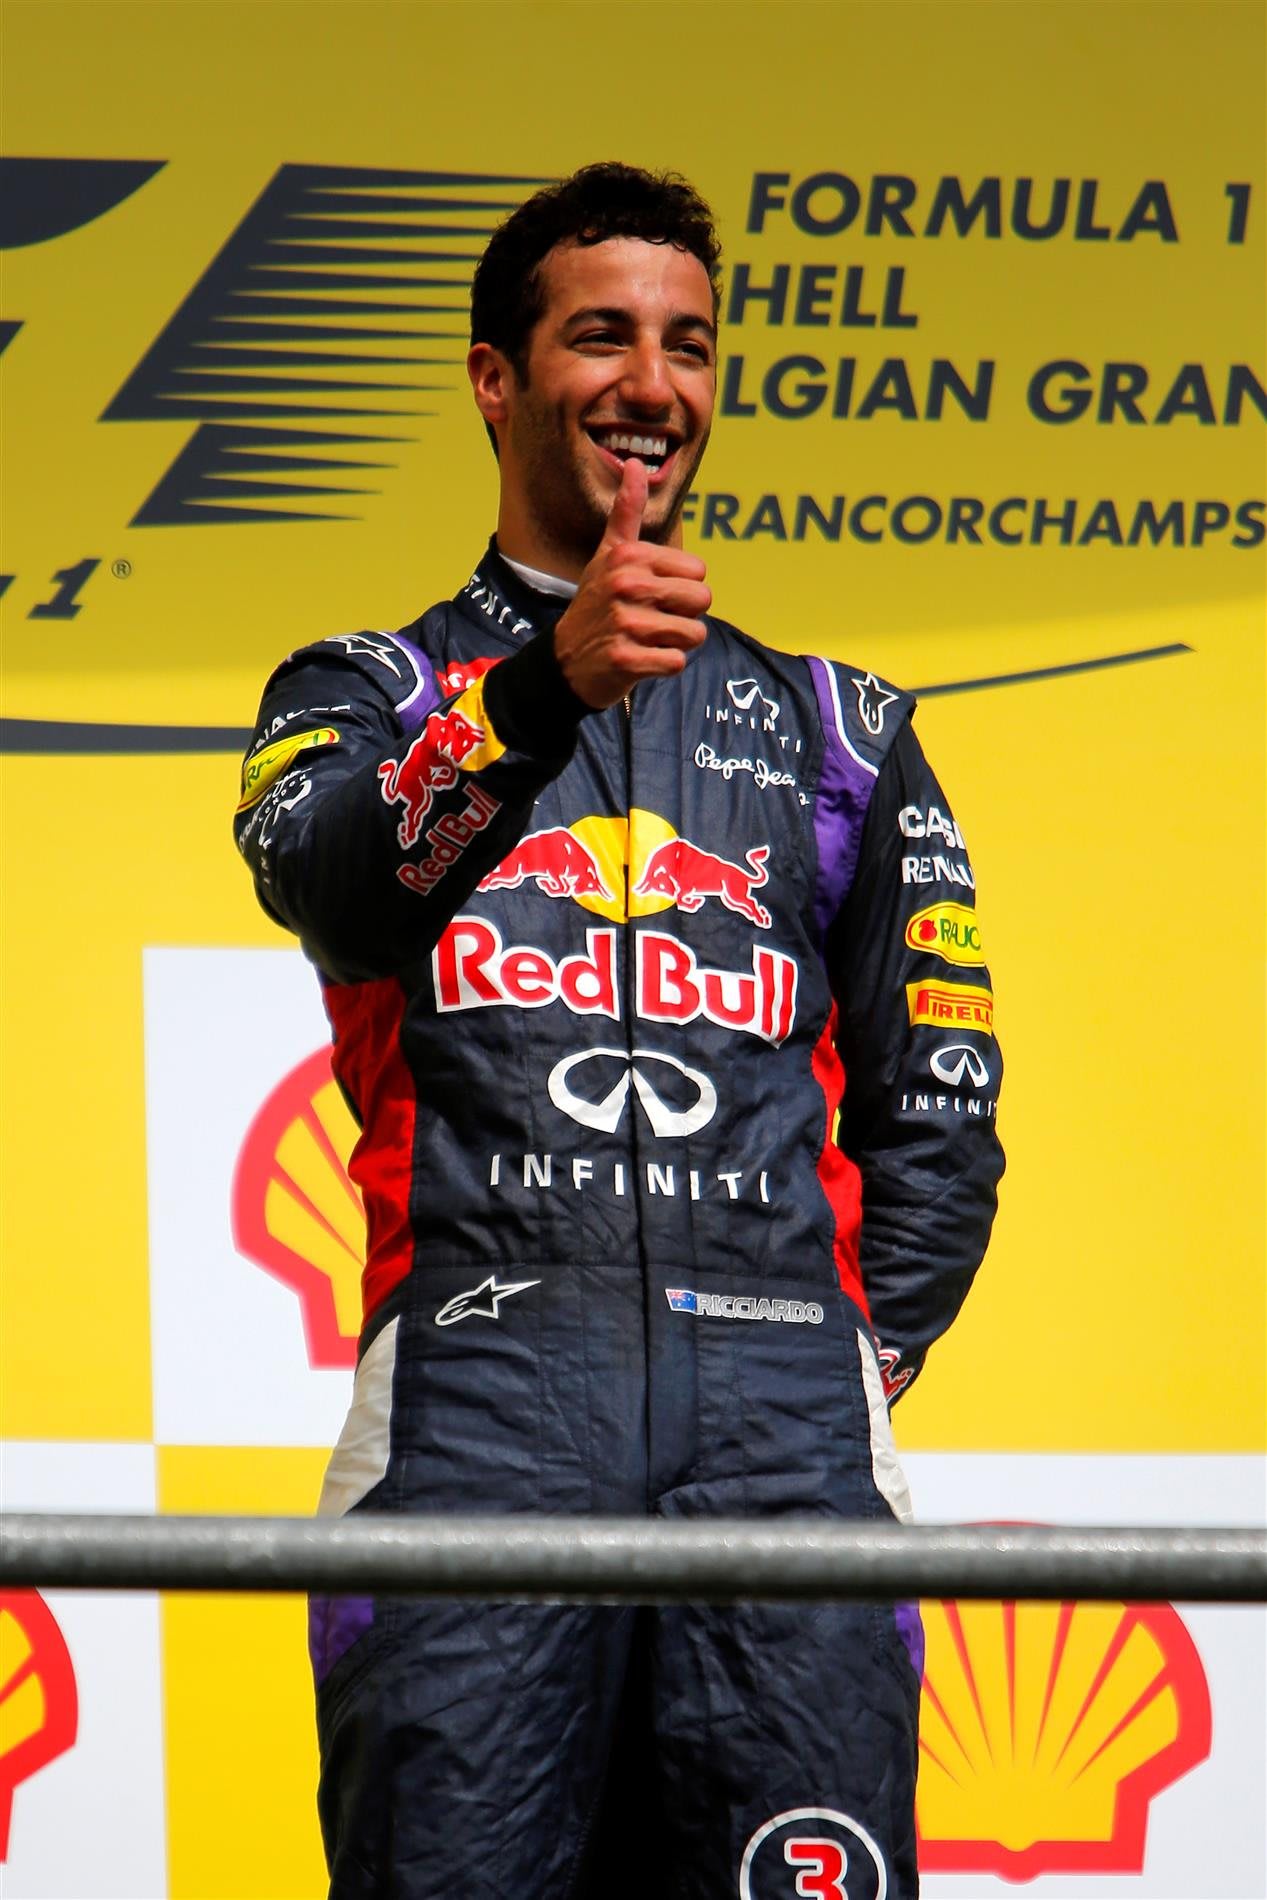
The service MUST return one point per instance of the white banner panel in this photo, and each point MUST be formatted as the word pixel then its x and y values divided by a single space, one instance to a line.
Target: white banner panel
pixel 1203 1831
pixel 81 1672
pixel 223 1028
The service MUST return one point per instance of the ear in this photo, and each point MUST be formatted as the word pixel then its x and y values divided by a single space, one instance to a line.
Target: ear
pixel 491 377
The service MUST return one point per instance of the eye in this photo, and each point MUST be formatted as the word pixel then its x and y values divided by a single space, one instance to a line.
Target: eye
pixel 699 352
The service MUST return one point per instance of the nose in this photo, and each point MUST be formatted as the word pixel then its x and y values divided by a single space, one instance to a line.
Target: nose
pixel 645 382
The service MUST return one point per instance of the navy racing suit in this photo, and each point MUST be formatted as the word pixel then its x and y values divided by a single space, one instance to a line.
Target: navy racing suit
pixel 670 1039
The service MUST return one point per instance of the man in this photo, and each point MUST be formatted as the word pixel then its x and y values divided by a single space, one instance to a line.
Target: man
pixel 656 987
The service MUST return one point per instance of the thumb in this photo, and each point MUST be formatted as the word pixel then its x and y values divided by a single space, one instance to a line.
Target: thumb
pixel 624 523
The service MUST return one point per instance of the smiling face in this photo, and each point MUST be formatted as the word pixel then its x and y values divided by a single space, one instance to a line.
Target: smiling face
pixel 622 362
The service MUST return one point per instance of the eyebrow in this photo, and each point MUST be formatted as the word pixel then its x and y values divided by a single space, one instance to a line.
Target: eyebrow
pixel 678 319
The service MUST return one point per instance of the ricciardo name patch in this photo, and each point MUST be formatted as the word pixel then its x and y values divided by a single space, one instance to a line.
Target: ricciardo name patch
pixel 743 1306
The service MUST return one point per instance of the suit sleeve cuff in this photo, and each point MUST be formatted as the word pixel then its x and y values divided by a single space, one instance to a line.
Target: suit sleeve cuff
pixel 532 707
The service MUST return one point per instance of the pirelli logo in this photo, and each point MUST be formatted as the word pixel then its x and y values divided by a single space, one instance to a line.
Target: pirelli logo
pixel 951 1006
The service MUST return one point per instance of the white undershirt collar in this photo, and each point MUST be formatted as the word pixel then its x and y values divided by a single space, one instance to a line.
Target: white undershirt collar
pixel 543 583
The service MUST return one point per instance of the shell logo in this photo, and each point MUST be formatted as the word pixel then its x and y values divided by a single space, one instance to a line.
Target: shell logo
pixel 1045 1731
pixel 39 1703
pixel 296 1211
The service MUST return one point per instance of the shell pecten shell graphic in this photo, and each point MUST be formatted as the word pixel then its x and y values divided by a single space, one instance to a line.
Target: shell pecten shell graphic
pixel 298 1214
pixel 1046 1729
pixel 39 1703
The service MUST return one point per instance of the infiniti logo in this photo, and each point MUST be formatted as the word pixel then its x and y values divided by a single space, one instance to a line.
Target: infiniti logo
pixel 744 693
pixel 605 1113
pixel 956 1061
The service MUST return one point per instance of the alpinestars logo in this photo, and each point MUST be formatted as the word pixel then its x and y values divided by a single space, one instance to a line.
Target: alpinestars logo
pixel 873 701
pixel 482 1302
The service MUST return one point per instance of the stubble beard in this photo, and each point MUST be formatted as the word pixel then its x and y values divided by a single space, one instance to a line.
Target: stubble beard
pixel 568 509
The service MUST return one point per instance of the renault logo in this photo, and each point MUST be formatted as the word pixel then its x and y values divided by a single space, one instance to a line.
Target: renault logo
pixel 676 1116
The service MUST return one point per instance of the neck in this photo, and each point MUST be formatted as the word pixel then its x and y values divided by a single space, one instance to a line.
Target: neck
pixel 520 537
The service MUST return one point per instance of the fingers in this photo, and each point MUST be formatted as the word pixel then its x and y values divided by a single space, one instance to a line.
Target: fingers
pixel 624 523
pixel 649 557
pixel 639 586
pixel 688 599
pixel 637 612
pixel 640 629
pixel 640 662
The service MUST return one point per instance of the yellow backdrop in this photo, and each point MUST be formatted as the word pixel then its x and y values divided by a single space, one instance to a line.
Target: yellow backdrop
pixel 1023 472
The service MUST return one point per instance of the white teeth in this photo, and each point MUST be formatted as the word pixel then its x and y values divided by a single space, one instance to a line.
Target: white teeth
pixel 657 445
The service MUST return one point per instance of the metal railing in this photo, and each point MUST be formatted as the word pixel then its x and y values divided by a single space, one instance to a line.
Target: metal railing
pixel 631 1560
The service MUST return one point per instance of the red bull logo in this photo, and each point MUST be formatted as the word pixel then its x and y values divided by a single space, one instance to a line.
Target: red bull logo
pixel 459 674
pixel 448 839
pixel 622 868
pixel 39 1703
pixel 473 968
pixel 460 738
pixel 556 860
pixel 682 872
pixel 429 766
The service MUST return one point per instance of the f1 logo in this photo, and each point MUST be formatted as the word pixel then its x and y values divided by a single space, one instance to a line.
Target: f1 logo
pixel 823 1866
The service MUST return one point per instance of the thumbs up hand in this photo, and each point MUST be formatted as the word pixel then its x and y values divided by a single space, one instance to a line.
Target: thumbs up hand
pixel 636 614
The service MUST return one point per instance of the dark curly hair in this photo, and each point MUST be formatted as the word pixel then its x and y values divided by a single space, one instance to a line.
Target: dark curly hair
pixel 594 204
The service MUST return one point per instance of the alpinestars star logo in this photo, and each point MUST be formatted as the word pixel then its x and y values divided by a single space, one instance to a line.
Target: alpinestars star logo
pixel 482 1302
pixel 873 699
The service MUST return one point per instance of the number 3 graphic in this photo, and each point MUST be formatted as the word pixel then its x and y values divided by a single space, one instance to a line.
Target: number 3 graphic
pixel 823 1865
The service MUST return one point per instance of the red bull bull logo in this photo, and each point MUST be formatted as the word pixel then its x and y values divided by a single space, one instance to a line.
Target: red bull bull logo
pixel 429 766
pixel 459 674
pixel 631 867
pixel 556 860
pixel 448 839
pixel 686 874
